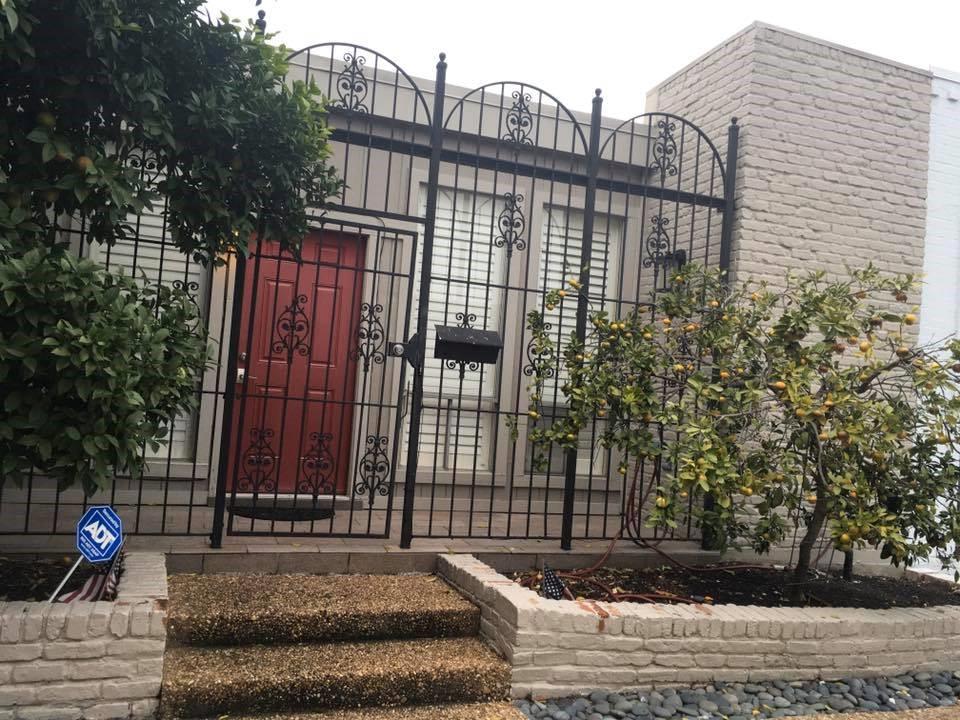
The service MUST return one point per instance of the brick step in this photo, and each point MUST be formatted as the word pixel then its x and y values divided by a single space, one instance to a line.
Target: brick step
pixel 455 711
pixel 247 609
pixel 213 681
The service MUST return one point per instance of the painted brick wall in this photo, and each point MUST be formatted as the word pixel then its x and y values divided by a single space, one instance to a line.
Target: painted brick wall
pixel 833 161
pixel 832 168
pixel 87 660
pixel 940 311
pixel 560 647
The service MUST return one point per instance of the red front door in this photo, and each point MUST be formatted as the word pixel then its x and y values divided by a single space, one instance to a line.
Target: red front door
pixel 294 411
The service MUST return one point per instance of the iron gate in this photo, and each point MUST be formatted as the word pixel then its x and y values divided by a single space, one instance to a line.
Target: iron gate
pixel 460 208
pixel 312 374
pixel 512 193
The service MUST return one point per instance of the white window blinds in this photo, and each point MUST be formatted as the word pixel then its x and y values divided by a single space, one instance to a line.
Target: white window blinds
pixel 467 270
pixel 561 258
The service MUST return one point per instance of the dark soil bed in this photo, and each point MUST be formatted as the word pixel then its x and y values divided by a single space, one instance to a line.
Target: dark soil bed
pixel 32 579
pixel 763 587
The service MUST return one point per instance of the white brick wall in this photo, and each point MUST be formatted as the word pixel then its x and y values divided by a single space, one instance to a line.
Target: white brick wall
pixel 559 647
pixel 832 168
pixel 94 660
pixel 833 155
pixel 940 311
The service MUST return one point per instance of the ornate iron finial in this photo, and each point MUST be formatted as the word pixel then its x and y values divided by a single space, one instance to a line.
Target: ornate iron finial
pixel 260 23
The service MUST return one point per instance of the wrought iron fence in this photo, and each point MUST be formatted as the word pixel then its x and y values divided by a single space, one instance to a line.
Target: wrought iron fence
pixel 327 410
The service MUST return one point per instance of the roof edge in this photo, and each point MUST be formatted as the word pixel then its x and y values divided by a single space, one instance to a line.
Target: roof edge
pixel 842 48
pixel 760 25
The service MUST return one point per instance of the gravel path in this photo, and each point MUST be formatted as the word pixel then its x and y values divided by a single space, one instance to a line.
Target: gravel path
pixel 757 701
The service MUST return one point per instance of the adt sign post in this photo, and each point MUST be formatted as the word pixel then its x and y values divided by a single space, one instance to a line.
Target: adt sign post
pixel 99 539
pixel 99 534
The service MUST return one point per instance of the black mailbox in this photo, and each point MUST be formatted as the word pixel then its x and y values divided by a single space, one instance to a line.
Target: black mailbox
pixel 467 345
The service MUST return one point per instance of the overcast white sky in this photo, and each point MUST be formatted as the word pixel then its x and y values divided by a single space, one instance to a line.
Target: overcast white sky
pixel 625 48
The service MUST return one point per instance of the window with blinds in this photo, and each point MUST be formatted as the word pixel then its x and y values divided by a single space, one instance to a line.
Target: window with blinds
pixel 458 423
pixel 561 258
pixel 152 257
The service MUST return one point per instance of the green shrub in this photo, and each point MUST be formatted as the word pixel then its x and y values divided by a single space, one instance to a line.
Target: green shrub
pixel 94 367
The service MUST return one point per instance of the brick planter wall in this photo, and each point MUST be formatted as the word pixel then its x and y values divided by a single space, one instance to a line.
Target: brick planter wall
pixel 559 647
pixel 93 660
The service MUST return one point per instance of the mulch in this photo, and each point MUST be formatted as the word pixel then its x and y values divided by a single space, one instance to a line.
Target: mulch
pixel 35 579
pixel 762 587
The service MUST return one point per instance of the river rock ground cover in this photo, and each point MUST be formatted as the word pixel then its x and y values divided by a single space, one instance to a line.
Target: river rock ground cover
pixel 755 701
pixel 765 587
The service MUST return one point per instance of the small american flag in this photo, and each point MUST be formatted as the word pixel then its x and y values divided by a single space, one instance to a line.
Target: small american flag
pixel 102 585
pixel 91 589
pixel 552 586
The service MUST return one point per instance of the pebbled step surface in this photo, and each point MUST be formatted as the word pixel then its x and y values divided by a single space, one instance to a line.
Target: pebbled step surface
pixel 458 711
pixel 212 681
pixel 245 609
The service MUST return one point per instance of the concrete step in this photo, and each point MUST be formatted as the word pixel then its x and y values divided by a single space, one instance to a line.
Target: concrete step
pixel 456 711
pixel 214 681
pixel 245 609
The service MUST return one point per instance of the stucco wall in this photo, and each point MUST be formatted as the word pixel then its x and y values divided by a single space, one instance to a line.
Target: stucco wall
pixel 560 647
pixel 833 158
pixel 91 660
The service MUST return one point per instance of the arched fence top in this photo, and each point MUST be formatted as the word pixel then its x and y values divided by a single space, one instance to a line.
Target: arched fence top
pixel 520 110
pixel 356 74
pixel 666 134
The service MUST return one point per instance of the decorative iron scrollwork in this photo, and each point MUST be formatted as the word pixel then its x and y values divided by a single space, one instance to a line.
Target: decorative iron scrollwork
pixel 511 224
pixel 352 85
pixel 259 463
pixel 292 329
pixel 658 241
pixel 519 120
pixel 317 466
pixel 374 468
pixel 146 162
pixel 535 357
pixel 372 336
pixel 465 320
pixel 190 288
pixel 665 149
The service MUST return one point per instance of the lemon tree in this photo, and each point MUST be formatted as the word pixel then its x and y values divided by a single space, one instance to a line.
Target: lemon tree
pixel 94 90
pixel 105 106
pixel 808 404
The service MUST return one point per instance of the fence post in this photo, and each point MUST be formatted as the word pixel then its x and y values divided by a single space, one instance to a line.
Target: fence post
pixel 586 253
pixel 230 392
pixel 708 541
pixel 729 186
pixel 420 338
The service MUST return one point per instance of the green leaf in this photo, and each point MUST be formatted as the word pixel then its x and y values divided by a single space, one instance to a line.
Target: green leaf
pixel 11 14
pixel 90 446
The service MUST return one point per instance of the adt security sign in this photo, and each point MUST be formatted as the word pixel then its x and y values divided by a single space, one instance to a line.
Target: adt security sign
pixel 99 534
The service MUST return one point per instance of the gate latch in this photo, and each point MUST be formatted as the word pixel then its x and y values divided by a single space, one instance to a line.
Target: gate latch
pixel 410 350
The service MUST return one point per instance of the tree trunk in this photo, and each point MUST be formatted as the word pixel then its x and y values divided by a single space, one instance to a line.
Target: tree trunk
pixel 848 565
pixel 805 552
